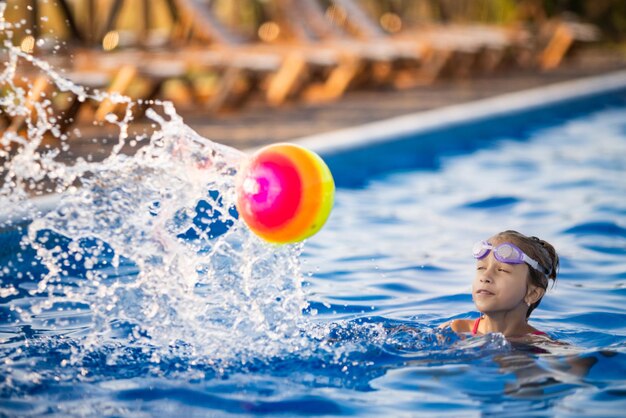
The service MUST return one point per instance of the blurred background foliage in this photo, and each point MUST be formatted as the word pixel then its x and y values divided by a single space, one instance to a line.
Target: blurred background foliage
pixel 248 16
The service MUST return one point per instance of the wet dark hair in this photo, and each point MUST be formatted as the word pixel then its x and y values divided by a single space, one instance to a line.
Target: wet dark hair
pixel 539 250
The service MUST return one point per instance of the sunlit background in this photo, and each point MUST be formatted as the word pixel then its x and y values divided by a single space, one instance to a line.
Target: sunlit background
pixel 211 57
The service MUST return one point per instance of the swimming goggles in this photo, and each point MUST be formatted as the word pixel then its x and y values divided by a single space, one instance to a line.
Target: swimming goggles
pixel 506 253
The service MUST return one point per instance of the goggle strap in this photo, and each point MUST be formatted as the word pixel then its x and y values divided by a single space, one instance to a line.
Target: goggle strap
pixel 531 262
pixel 534 264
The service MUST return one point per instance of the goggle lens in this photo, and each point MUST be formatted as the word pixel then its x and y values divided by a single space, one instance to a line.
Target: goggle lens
pixel 506 253
pixel 480 250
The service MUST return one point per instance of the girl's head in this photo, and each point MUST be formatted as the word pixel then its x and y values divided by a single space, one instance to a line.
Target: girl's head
pixel 522 279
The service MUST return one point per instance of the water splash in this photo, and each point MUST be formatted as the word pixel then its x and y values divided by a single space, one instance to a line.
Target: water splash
pixel 140 251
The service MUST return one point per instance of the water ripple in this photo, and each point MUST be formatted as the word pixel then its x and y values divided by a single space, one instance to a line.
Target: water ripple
pixel 597 228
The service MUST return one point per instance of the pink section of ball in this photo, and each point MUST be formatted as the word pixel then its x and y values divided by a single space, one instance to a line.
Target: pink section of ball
pixel 271 192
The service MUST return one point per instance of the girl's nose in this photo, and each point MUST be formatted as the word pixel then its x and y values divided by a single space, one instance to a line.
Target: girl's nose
pixel 485 277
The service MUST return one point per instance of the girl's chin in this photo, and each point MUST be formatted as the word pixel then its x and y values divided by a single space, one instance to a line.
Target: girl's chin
pixel 483 307
pixel 490 310
pixel 487 308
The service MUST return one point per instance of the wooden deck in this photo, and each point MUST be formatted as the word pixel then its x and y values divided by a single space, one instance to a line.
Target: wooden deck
pixel 257 124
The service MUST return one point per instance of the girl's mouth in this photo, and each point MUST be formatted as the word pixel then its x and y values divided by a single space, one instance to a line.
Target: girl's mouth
pixel 484 292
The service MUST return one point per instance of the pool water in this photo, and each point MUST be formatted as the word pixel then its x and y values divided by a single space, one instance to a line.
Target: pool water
pixel 391 265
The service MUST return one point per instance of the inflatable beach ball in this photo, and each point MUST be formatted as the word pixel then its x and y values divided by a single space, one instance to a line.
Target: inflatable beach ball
pixel 285 193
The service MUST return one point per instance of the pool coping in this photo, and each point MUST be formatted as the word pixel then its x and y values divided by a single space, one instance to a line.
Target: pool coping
pixel 379 132
pixel 387 130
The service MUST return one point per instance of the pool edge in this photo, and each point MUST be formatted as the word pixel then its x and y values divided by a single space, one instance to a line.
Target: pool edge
pixel 444 117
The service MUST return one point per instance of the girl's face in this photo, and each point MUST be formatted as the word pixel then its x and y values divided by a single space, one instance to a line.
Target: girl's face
pixel 499 287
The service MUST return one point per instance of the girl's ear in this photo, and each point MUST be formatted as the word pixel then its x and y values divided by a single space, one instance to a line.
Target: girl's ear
pixel 533 294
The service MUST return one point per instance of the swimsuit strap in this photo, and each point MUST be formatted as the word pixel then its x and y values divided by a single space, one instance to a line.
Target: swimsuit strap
pixel 476 323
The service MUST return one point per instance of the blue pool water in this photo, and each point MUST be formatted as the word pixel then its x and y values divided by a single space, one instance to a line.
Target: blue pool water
pixel 351 328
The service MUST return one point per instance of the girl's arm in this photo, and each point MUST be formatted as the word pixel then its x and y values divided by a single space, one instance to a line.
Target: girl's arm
pixel 458 325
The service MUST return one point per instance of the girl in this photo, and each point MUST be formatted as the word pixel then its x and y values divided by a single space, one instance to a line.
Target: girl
pixel 512 275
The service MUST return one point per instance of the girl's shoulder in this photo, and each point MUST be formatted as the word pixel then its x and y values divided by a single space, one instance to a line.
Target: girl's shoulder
pixel 459 325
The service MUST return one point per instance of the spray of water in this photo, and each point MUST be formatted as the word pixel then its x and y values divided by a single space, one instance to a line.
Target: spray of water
pixel 141 251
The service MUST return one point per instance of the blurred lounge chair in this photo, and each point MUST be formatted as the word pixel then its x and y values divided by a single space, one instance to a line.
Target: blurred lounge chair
pixel 243 66
pixel 62 107
pixel 455 49
pixel 293 63
pixel 563 36
pixel 153 62
pixel 372 59
pixel 35 95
